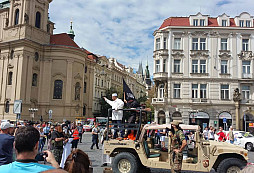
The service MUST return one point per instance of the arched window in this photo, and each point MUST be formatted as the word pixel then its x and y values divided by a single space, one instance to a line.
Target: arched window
pixel 77 91
pixel 36 56
pixel 16 21
pixel 38 20
pixel 12 54
pixel 84 110
pixel 58 89
pixel 10 78
pixel 84 87
pixel 34 81
pixel 7 107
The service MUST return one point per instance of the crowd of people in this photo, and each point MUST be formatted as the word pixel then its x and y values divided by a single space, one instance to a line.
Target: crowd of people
pixel 22 148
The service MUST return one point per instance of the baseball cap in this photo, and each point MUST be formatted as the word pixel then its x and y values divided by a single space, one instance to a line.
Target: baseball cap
pixel 114 94
pixel 6 125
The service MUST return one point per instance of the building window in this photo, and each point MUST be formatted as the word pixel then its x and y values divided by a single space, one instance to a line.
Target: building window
pixel 85 69
pixel 34 80
pixel 164 65
pixel 7 107
pixel 194 91
pixel 164 43
pixel 224 92
pixel 177 65
pixel 84 87
pixel 246 92
pixel 58 89
pixel 84 110
pixel 12 54
pixel 195 22
pixel 16 21
pixel 157 66
pixel 246 67
pixel 202 22
pixel 194 43
pixel 38 20
pixel 202 66
pixel 247 23
pixel 36 56
pixel 241 23
pixel 224 66
pixel 202 91
pixel 177 91
pixel 158 44
pixel 194 66
pixel 224 22
pixel 202 43
pixel 177 43
pixel 224 43
pixel 77 91
pixel 101 83
pixel 245 44
pixel 10 75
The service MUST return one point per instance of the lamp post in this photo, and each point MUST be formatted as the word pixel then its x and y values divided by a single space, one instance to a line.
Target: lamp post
pixel 32 112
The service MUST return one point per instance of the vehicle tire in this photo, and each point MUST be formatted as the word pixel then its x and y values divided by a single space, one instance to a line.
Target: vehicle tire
pixel 125 163
pixel 249 146
pixel 231 165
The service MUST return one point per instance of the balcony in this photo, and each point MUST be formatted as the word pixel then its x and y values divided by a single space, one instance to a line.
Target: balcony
pixel 224 54
pixel 198 100
pixel 160 52
pixel 160 75
pixel 246 76
pixel 246 55
pixel 158 100
pixel 199 53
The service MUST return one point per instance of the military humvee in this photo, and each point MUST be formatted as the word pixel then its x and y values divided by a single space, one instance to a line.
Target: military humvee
pixel 131 156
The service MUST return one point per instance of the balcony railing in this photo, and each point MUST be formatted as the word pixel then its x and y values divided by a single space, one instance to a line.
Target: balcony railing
pixel 158 100
pixel 246 75
pixel 160 52
pixel 160 75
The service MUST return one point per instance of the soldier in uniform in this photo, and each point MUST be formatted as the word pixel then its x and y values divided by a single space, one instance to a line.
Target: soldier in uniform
pixel 178 143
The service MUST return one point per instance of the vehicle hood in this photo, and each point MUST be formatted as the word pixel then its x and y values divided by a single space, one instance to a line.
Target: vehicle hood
pixel 218 148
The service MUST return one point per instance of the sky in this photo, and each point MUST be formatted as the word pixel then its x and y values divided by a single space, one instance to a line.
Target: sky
pixel 123 29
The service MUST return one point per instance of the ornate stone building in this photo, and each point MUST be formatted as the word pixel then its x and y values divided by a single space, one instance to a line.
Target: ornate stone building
pixel 45 71
pixel 203 70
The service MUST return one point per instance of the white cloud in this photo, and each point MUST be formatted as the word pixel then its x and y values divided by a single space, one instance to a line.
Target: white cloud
pixel 123 28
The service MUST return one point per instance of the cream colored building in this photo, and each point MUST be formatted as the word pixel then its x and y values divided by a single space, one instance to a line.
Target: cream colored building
pixel 203 70
pixel 110 73
pixel 45 71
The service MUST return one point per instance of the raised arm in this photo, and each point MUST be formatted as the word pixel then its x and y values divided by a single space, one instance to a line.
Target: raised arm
pixel 108 101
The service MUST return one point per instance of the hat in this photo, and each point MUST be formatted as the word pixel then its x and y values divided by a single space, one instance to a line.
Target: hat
pixel 176 123
pixel 6 125
pixel 114 95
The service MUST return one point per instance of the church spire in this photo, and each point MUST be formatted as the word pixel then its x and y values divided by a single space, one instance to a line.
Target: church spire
pixel 71 32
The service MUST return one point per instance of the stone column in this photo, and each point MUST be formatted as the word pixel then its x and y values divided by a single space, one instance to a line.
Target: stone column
pixel 237 99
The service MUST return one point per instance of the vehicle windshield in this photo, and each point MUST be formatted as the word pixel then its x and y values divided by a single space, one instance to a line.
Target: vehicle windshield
pixel 246 134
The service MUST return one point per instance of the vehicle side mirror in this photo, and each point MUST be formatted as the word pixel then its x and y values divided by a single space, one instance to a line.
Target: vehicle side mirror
pixel 137 146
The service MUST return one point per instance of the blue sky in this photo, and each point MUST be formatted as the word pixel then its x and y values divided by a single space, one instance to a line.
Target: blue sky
pixel 123 28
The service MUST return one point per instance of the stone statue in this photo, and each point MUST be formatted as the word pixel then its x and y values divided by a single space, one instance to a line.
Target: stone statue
pixel 77 91
pixel 26 18
pixel 236 95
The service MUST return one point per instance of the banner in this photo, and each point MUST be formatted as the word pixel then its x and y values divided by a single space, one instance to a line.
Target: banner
pixel 127 93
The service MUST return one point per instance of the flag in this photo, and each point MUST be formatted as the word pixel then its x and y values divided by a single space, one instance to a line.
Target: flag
pixel 127 93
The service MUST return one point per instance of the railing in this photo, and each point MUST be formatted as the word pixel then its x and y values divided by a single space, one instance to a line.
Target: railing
pixel 198 100
pixel 246 75
pixel 160 75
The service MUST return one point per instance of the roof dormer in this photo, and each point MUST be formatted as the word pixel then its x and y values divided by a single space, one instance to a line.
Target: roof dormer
pixel 244 20
pixel 199 20
pixel 223 20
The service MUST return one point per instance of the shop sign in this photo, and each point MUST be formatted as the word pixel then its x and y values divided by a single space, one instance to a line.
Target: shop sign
pixel 201 115
pixel 224 120
pixel 225 115
pixel 251 124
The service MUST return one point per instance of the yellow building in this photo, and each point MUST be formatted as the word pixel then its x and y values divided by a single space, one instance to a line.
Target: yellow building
pixel 45 71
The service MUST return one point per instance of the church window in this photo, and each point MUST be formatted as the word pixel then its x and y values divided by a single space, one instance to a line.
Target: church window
pixel 58 89
pixel 34 81
pixel 10 78
pixel 38 20
pixel 16 21
pixel 36 56
pixel 12 54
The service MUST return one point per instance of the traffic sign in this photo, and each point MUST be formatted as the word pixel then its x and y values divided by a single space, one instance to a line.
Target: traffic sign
pixel 17 108
pixel 50 114
pixel 224 120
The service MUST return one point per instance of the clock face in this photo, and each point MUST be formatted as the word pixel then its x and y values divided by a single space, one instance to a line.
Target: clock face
pixel 36 56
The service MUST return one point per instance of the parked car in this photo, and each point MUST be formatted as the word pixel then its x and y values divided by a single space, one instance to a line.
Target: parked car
pixel 243 139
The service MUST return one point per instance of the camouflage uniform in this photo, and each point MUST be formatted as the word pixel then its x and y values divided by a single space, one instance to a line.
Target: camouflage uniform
pixel 58 155
pixel 177 158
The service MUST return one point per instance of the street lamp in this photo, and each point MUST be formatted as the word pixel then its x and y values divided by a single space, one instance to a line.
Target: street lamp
pixel 32 112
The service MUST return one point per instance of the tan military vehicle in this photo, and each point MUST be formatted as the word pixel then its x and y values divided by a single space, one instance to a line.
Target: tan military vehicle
pixel 131 156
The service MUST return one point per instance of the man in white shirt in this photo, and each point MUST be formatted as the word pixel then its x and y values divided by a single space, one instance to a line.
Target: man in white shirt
pixel 117 112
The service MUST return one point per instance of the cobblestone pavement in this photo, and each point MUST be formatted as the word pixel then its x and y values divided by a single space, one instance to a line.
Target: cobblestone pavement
pixel 95 155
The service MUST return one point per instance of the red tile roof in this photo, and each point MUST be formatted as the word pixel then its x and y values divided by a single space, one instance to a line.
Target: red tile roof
pixel 184 21
pixel 63 40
